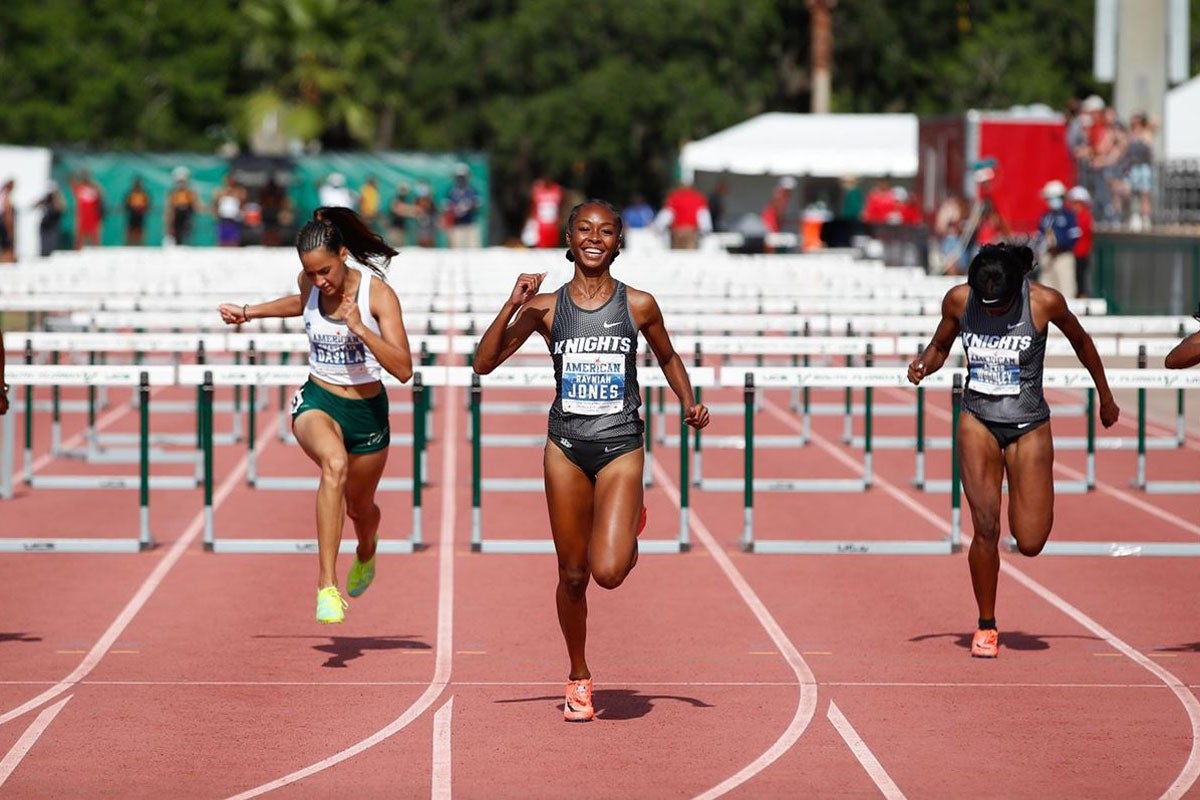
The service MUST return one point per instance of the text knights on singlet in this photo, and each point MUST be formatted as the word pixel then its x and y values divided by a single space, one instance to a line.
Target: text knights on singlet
pixel 997 342
pixel 594 344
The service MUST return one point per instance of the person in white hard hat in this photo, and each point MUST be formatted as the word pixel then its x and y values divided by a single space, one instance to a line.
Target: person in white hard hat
pixel 334 192
pixel 1059 231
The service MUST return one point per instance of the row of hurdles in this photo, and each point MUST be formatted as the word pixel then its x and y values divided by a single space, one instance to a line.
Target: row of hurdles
pixel 751 379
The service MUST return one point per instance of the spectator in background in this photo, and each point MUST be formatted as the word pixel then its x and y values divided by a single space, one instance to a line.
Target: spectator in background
pixel 637 219
pixel 227 205
pixel 685 214
pixel 333 192
pixel 425 219
pixel 880 203
pixel 52 205
pixel 778 216
pixel 1139 170
pixel 852 199
pixel 1058 230
pixel 716 204
pixel 370 203
pixel 1075 134
pixel 401 209
pixel 904 210
pixel 137 206
pixel 1080 203
pixel 949 226
pixel 545 210
pixel 89 210
pixel 462 211
pixel 276 212
pixel 183 204
pixel 8 223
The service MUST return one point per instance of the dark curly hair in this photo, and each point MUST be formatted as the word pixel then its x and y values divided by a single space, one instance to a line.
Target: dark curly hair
pixel 997 272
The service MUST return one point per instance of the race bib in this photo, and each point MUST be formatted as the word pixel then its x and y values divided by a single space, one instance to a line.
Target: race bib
pixel 593 383
pixel 297 400
pixel 994 372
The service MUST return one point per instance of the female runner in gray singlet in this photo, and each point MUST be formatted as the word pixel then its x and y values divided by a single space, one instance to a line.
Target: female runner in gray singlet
pixel 1005 432
pixel 1187 352
pixel 594 457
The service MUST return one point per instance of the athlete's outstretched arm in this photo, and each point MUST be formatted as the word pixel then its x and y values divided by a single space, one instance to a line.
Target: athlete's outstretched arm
pixel 291 305
pixel 1185 354
pixel 1081 341
pixel 934 355
pixel 645 307
pixel 390 345
pixel 502 339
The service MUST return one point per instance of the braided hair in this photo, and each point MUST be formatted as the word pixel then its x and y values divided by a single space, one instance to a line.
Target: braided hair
pixel 595 201
pixel 333 228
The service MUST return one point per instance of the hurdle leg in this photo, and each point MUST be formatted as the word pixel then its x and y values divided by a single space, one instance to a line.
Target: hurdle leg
pixel 684 486
pixel 6 457
pixel 955 474
pixel 55 413
pixel 747 542
pixel 420 399
pixel 647 472
pixel 476 467
pixel 145 541
pixel 206 400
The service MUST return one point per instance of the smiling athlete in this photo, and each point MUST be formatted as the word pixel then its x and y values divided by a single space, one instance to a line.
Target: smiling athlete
pixel 594 451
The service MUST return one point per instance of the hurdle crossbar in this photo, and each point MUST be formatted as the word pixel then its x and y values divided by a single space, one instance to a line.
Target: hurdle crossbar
pixel 140 376
pixel 207 377
pixel 543 377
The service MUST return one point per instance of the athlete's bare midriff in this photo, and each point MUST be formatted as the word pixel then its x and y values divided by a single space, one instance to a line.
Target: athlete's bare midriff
pixel 357 391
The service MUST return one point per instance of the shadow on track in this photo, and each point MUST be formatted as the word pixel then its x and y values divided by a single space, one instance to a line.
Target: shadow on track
pixel 617 704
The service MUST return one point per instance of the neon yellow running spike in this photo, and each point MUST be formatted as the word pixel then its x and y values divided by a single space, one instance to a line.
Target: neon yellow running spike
pixel 331 606
pixel 361 574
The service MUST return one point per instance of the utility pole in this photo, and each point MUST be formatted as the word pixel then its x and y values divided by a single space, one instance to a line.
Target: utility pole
pixel 821 13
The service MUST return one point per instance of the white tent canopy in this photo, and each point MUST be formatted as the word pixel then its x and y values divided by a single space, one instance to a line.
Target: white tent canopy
pixel 817 145
pixel 1181 120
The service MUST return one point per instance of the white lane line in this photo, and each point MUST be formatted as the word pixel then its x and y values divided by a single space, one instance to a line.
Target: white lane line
pixel 28 738
pixel 142 595
pixel 869 762
pixel 445 622
pixel 617 679
pixel 1191 706
pixel 806 705
pixel 441 752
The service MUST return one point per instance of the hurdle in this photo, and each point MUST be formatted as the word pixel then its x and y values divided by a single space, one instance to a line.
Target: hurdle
pixel 1140 480
pixel 834 377
pixel 101 448
pixel 207 377
pixel 543 377
pixel 142 377
pixel 1142 379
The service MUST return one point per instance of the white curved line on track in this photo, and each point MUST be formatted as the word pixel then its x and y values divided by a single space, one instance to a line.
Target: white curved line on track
pixel 142 595
pixel 806 706
pixel 1191 706
pixel 445 623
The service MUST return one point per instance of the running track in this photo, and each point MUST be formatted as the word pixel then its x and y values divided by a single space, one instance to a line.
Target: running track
pixel 181 673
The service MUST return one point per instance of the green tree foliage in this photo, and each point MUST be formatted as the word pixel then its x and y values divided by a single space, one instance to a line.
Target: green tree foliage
pixel 597 96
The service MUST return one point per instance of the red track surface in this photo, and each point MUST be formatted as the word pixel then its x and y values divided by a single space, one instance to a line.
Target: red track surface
pixel 188 674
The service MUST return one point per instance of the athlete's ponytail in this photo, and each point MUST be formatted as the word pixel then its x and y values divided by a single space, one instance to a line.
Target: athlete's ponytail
pixel 334 227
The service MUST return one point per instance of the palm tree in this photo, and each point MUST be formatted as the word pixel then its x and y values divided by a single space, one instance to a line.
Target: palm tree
pixel 307 55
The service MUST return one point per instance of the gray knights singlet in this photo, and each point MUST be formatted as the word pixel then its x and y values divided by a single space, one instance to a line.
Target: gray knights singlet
pixel 595 369
pixel 1004 363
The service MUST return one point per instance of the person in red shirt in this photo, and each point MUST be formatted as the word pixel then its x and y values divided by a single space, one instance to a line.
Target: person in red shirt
pixel 685 213
pixel 777 214
pixel 881 203
pixel 1080 202
pixel 545 210
pixel 89 210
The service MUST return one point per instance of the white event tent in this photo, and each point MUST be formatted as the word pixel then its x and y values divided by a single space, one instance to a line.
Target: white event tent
pixel 815 149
